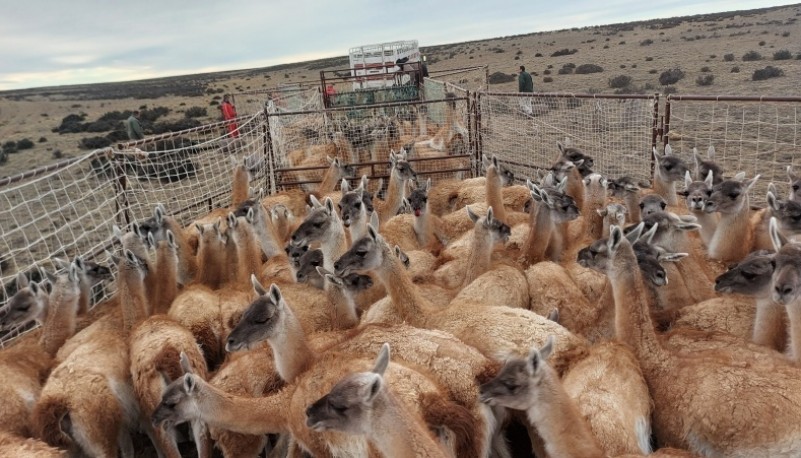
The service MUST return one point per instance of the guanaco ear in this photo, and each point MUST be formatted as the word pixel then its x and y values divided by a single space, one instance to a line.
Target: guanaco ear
pixel 490 217
pixel 536 357
pixel 577 163
pixel 561 149
pixel 199 228
pixel 257 286
pixel 792 176
pixel 117 232
pixel 217 225
pixel 73 274
pixel 80 263
pixel 486 162
pixel 709 180
pixel 668 150
pixel 688 180
pixel 687 226
pixel 34 287
pixel 344 186
pixel 473 217
pixel 547 349
pixel 382 360
pixel 615 237
pixel 671 257
pixel 750 183
pixel 635 233
pixel 710 153
pixel 657 156
pixel 315 203
pixel 329 159
pixel 774 204
pixel 428 185
pixel 232 221
pixel 495 161
pixel 374 220
pixel 373 232
pixel 553 315
pixel 62 264
pixel 114 259
pixel 151 241
pixel 778 239
pixel 739 176
pixel 250 216
pixel 186 366
pixel 602 212
pixel 322 271
pixel 190 384
pixel 697 158
pixel 51 277
pixel 171 240
pixel 562 185
pixel 159 213
pixel 648 236
pixel 131 257
pixel 22 280
pixel 275 293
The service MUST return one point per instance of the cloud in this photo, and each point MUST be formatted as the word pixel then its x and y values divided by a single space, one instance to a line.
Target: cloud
pixel 85 41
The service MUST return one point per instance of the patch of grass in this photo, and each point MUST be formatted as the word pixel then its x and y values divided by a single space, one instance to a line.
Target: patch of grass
pixel 670 90
pixel 547 79
pixel 195 112
pixel 500 78
pixel 653 71
pixel 735 69
pixel 647 42
pixel 649 59
pixel 705 70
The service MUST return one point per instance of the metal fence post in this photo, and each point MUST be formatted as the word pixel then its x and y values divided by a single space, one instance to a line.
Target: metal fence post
pixel 121 204
pixel 654 130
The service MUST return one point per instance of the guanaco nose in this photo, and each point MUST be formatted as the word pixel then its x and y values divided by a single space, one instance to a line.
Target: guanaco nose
pixel 783 290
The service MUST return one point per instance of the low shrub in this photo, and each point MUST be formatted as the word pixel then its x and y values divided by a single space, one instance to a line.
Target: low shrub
pixel 500 78
pixel 620 81
pixel 728 57
pixel 735 69
pixel 705 70
pixel 647 42
pixel 546 72
pixel 564 52
pixel 767 73
pixel 9 147
pixel 584 69
pixel 751 56
pixel 782 55
pixel 670 90
pixel 195 112
pixel 705 80
pixel 672 76
pixel 42 139
pixel 649 59
pixel 565 71
pixel 25 143
pixel 547 79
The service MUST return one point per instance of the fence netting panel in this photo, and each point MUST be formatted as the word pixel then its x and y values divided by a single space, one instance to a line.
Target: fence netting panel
pixel 61 214
pixel 523 131
pixel 749 136
pixel 364 138
pixel 191 172
pixel 287 98
pixel 471 79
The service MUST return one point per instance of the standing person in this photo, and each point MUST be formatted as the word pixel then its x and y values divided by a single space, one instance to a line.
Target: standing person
pixel 525 84
pixel 135 131
pixel 229 112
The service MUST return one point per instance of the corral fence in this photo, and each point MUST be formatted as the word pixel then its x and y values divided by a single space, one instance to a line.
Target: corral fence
pixel 68 208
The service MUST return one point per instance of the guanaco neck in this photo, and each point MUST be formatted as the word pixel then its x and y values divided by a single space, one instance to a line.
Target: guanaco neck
pixel 167 281
pixel 709 224
pixel 394 197
pixel 768 326
pixel 290 348
pixel 632 200
pixel 559 422
pixel 240 187
pixel 267 234
pixel 334 243
pixel 248 253
pixel 396 433
pixel 632 319
pixel 59 325
pixel 246 415
pixel 132 298
pixel 406 299
pixel 480 255
pixel 539 234
pixel 794 322
pixel 733 237
pixel 423 228
pixel 330 179
pixel 494 193
pixel 85 285
pixel 343 310
pixel 594 223
pixel 666 189
pixel 187 264
pixel 358 225
pixel 575 187
pixel 212 262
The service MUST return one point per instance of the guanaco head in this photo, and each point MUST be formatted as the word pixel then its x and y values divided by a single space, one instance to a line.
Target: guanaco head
pixel 348 407
pixel 90 272
pixel 28 303
pixel 787 271
pixel 787 212
pixel 670 228
pixel 343 170
pixel 497 230
pixel 262 320
pixel 365 254
pixel 178 403
pixel 729 196
pixel 596 185
pixel 401 168
pixel 613 214
pixel 352 206
pixel 704 167
pixel 669 168
pixel 575 155
pixel 307 269
pixel 403 257
pixel 561 206
pixel 623 186
pixel 563 167
pixel 418 198
pixel 318 223
pixel 134 240
pixel 522 381
pixel 351 283
pixel 294 253
pixel 795 184
pixel 697 192
pixel 753 276
pixel 652 203
pixel 494 170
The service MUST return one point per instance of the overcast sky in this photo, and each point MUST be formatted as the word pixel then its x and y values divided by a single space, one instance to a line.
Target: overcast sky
pixel 48 43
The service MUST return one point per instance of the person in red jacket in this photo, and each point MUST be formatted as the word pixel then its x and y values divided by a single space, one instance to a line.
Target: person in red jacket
pixel 229 112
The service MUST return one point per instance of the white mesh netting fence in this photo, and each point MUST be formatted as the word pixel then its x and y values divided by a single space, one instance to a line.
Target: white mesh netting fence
pixel 523 131
pixel 753 136
pixel 281 98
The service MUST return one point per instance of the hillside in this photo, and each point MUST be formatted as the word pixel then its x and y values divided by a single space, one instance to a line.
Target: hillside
pixel 715 53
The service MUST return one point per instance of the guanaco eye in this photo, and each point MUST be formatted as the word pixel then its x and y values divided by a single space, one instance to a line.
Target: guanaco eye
pixel 663 205
pixel 668 167
pixel 357 205
pixel 734 195
pixel 748 275
pixel 642 206
pixel 510 386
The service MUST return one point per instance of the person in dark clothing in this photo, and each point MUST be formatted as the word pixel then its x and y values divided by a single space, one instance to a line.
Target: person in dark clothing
pixel 525 84
pixel 133 127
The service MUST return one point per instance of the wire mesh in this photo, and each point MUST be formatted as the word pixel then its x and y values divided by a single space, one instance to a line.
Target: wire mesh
pixel 752 136
pixel 523 130
pixel 294 97
pixel 471 79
